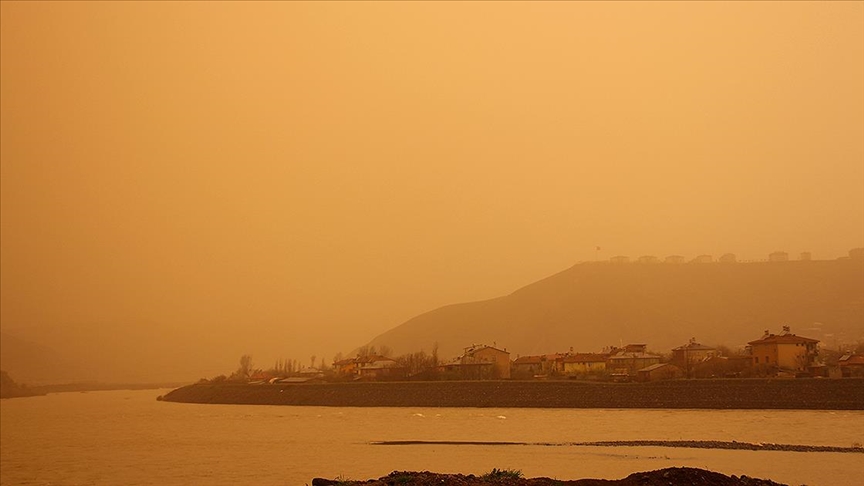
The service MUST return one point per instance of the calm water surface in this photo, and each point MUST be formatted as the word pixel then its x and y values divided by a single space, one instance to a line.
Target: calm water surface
pixel 127 437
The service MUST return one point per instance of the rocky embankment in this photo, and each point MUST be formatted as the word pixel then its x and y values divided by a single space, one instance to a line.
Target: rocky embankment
pixel 802 394
pixel 664 477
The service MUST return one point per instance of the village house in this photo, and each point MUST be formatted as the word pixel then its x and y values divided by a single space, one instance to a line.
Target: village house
pixel 628 361
pixel 689 355
pixel 620 259
pixel 541 365
pixel 660 371
pixel 261 376
pixel 851 365
pixel 368 367
pixel 480 362
pixel 703 259
pixel 377 367
pixel 784 351
pixel 585 364
pixel 727 258
pixel 527 366
pixel 778 256
pixel 722 367
pixel 677 259
pixel 346 366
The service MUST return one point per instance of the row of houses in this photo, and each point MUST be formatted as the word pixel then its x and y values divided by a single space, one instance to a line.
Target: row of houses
pixel 777 256
pixel 772 354
pixel 783 353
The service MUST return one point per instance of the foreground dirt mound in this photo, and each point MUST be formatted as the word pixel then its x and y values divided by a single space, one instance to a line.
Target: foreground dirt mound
pixel 672 476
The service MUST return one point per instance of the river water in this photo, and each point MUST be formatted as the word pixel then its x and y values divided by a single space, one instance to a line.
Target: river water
pixel 127 437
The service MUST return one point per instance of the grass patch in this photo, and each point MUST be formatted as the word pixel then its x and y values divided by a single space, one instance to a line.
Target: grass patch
pixel 340 479
pixel 496 473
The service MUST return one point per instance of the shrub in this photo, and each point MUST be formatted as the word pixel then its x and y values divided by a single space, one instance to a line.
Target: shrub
pixel 496 473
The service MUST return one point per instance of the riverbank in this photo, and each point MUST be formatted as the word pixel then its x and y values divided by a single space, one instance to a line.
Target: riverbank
pixel 664 477
pixel 801 394
pixel 691 444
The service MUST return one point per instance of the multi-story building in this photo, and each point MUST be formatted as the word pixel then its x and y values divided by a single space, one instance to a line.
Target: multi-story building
pixel 784 351
pixel 631 359
pixel 691 353
pixel 482 362
pixel 778 256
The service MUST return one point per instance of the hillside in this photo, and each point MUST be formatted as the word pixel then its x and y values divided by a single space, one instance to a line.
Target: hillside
pixel 11 389
pixel 592 305
pixel 37 364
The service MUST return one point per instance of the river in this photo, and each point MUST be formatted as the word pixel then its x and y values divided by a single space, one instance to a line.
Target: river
pixel 127 437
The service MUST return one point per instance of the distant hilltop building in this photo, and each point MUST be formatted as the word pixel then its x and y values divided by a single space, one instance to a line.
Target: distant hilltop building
pixel 727 258
pixel 778 256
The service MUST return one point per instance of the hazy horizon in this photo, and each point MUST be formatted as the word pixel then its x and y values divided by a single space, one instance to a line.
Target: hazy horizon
pixel 183 183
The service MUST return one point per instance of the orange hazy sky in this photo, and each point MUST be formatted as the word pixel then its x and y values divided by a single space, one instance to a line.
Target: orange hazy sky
pixel 186 182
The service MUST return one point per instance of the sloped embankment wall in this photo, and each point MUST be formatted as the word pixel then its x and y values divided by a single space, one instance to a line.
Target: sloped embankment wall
pixel 812 394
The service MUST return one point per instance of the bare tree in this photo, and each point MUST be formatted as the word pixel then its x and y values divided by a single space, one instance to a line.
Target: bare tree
pixel 385 351
pixel 313 361
pixel 246 366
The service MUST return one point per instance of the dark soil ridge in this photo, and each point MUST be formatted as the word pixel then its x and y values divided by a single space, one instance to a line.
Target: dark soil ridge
pixel 790 394
pixel 664 477
pixel 692 444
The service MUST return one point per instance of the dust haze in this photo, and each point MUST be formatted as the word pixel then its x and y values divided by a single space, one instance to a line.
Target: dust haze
pixel 186 183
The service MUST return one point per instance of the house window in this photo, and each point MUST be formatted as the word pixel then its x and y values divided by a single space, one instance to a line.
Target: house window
pixel 757 359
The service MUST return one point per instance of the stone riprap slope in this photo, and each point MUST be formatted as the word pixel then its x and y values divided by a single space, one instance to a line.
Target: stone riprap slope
pixel 804 394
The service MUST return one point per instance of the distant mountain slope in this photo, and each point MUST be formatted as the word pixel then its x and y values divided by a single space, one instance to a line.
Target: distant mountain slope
pixel 592 305
pixel 34 363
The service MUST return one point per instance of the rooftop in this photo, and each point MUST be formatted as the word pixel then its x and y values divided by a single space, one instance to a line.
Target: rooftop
pixel 585 358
